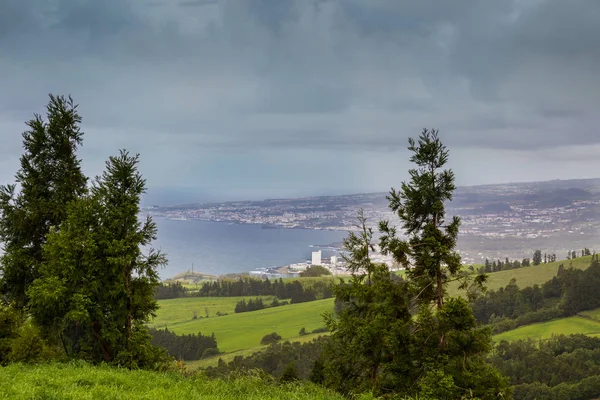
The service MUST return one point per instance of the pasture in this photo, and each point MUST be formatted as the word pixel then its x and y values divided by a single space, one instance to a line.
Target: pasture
pixel 243 330
pixel 545 330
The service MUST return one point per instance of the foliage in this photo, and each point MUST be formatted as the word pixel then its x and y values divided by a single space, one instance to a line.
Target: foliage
pixel 569 292
pixel 251 305
pixel 270 338
pixel 95 288
pixel 429 255
pixel 289 374
pixel 50 177
pixel 169 291
pixel 315 270
pixel 29 346
pixel 184 347
pixel 294 290
pixel 83 381
pixel 274 359
pixel 406 337
pixel 561 367
pixel 11 320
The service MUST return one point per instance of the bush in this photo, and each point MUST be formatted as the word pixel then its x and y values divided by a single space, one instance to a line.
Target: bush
pixel 289 374
pixel 29 346
pixel 210 352
pixel 270 338
pixel 302 332
pixel 315 271
pixel 320 330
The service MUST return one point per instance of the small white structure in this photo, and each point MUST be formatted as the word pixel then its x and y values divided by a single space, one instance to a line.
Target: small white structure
pixel 316 258
pixel 333 261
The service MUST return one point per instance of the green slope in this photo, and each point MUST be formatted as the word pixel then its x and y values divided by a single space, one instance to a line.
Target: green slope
pixel 529 276
pixel 244 330
pixel 82 381
pixel 175 311
pixel 587 323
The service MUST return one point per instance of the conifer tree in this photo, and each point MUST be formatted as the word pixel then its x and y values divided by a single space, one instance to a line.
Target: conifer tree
pixel 406 336
pixel 96 287
pixel 50 177
pixel 429 255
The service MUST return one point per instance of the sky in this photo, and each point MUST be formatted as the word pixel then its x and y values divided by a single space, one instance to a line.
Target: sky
pixel 253 99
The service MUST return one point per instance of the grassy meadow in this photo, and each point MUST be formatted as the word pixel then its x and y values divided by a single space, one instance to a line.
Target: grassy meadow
pixel 82 381
pixel 545 330
pixel 244 330
pixel 528 276
pixel 175 311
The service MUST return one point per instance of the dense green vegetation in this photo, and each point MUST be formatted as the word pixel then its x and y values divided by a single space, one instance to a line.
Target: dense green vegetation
pixel 297 290
pixel 83 381
pixel 72 263
pixel 185 347
pixel 563 367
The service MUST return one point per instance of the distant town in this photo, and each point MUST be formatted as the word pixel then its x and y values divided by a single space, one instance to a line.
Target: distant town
pixel 498 221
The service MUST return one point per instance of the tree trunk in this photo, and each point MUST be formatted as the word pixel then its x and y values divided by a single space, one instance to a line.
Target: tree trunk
pixel 103 345
pixel 129 319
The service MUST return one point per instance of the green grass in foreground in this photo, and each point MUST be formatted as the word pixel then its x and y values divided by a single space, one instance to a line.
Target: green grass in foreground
pixel 243 330
pixel 545 330
pixel 82 381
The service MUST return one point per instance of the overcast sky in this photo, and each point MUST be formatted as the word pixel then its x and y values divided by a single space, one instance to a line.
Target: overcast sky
pixel 235 99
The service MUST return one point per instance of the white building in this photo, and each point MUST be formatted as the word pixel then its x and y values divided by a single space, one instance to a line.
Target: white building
pixel 333 261
pixel 316 258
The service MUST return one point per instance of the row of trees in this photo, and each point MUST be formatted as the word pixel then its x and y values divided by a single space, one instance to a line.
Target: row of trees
pixel 294 290
pixel 250 305
pixel 72 246
pixel 185 347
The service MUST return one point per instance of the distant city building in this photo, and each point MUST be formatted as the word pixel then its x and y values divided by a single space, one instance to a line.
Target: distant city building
pixel 333 260
pixel 316 258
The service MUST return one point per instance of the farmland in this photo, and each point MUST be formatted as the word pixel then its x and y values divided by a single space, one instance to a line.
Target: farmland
pixel 243 330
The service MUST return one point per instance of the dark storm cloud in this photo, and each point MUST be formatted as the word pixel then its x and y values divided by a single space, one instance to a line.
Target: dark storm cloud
pixel 347 75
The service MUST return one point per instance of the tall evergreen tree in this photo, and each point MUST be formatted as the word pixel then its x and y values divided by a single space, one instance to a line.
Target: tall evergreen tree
pixel 537 257
pixel 429 255
pixel 49 178
pixel 96 287
pixel 406 337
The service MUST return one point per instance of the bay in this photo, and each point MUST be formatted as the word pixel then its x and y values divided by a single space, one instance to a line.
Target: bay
pixel 219 248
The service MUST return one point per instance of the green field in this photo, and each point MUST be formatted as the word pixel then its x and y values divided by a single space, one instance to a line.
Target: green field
pixel 545 330
pixel 243 330
pixel 175 311
pixel 82 381
pixel 528 276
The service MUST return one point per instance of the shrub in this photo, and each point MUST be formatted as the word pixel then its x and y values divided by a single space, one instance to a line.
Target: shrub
pixel 270 338
pixel 29 346
pixel 210 352
pixel 320 330
pixel 302 332
pixel 289 374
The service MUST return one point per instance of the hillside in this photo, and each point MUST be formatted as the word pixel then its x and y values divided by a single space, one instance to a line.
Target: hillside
pixel 529 276
pixel 83 381
pixel 243 330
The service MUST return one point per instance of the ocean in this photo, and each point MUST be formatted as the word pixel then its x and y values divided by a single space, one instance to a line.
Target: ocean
pixel 220 248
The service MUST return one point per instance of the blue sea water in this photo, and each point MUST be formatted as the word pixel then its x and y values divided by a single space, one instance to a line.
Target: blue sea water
pixel 221 248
